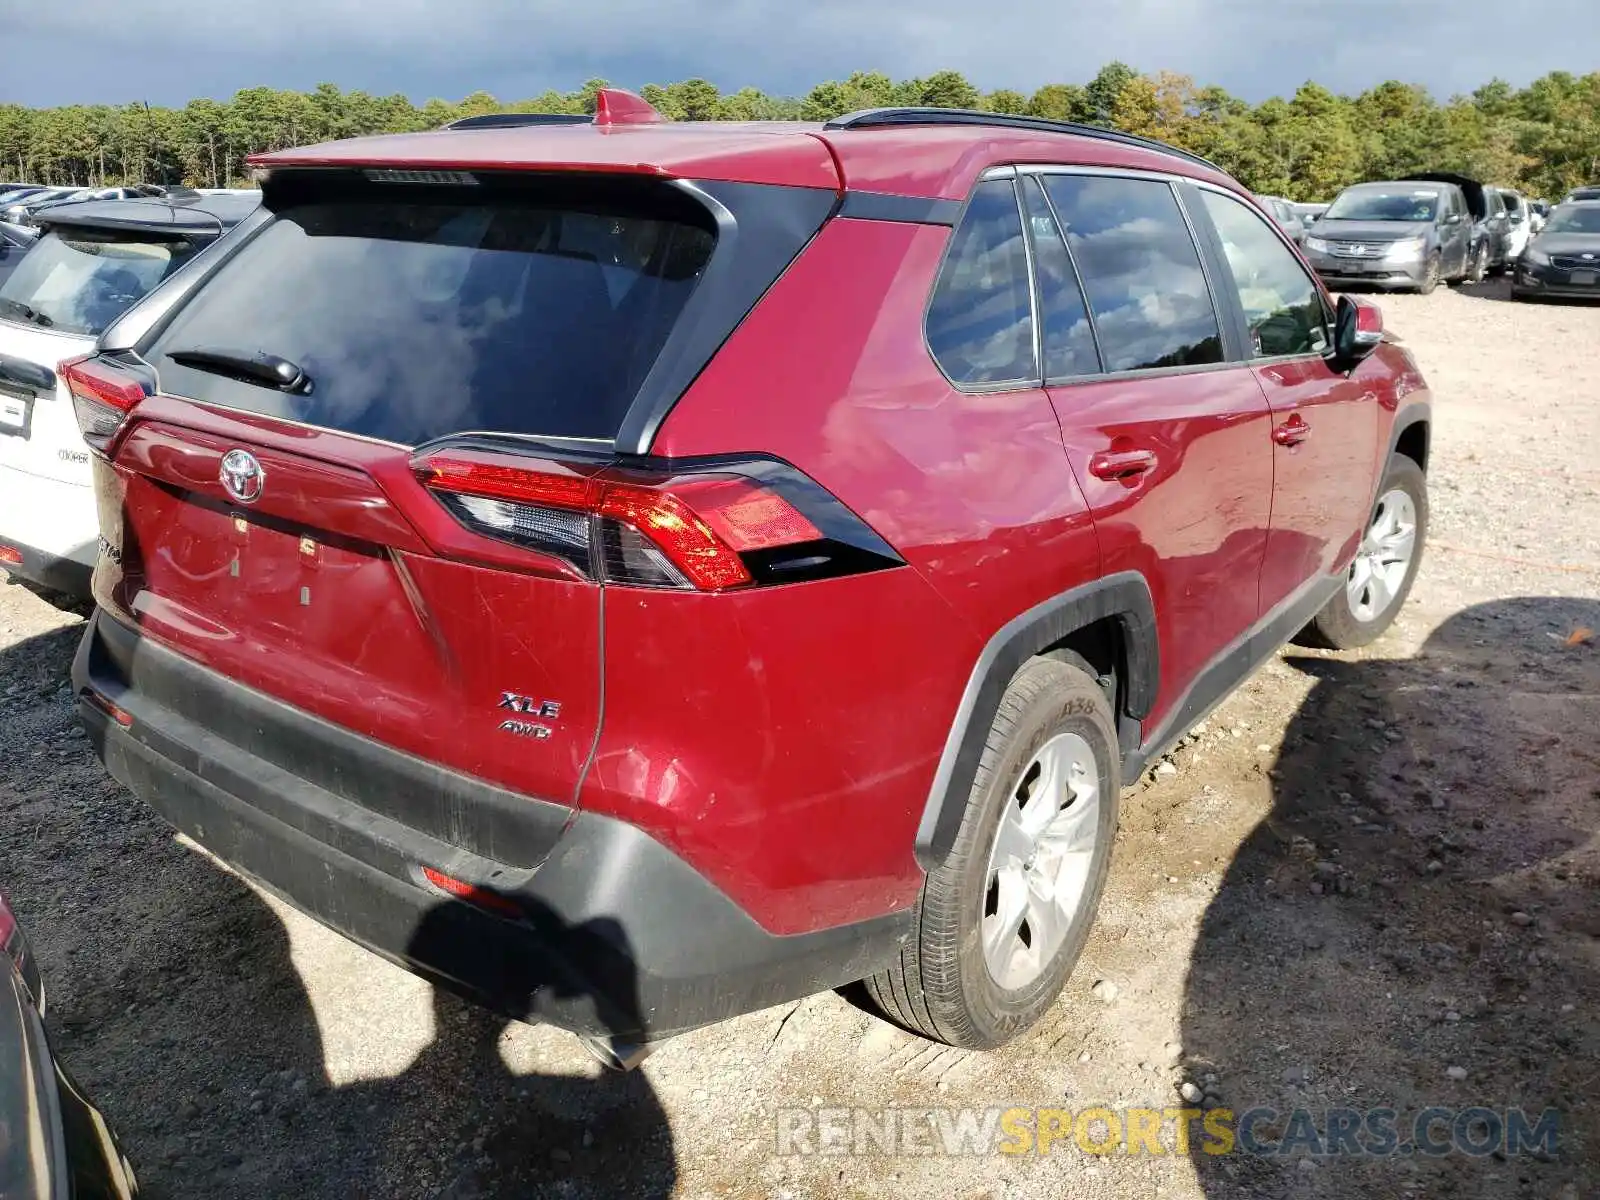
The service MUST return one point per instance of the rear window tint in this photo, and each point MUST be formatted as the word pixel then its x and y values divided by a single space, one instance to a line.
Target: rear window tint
pixel 79 281
pixel 980 320
pixel 419 319
pixel 1140 269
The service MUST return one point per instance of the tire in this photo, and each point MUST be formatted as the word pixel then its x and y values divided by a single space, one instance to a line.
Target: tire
pixel 1430 276
pixel 1477 265
pixel 943 985
pixel 1349 620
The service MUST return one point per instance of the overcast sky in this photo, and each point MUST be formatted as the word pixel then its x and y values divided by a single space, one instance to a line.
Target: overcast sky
pixel 170 51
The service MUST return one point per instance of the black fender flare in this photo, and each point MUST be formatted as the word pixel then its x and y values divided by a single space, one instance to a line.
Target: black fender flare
pixel 1417 412
pixel 1125 596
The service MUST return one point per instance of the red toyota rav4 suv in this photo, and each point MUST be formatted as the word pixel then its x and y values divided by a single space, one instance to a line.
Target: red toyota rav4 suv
pixel 637 573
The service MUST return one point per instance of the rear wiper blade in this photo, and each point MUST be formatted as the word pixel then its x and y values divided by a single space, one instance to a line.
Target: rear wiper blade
pixel 26 313
pixel 262 368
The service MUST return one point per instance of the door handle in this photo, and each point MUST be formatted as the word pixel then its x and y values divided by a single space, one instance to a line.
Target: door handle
pixel 1292 432
pixel 1121 464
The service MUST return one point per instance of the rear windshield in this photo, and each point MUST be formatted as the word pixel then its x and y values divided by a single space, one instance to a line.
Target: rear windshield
pixel 422 316
pixel 79 280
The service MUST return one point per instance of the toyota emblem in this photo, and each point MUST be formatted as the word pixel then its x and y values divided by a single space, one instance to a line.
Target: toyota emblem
pixel 242 476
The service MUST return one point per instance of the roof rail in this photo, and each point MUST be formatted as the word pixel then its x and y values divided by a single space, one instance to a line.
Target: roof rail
pixel 875 118
pixel 612 106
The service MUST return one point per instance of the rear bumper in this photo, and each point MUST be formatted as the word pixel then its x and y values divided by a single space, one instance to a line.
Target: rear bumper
pixel 56 515
pixel 616 936
pixel 68 575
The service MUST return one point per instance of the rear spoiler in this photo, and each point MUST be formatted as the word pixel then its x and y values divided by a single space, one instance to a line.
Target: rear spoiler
pixel 155 217
pixel 612 106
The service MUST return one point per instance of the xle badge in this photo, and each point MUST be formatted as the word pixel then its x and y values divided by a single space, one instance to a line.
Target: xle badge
pixel 527 706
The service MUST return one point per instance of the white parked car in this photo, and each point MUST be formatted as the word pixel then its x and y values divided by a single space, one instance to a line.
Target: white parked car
pixel 92 262
pixel 1520 216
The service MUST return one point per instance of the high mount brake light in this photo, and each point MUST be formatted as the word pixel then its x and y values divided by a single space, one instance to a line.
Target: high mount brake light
pixel 102 397
pixel 683 531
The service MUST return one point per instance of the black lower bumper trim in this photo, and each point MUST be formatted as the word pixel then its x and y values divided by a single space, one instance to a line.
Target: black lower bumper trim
pixel 64 575
pixel 619 939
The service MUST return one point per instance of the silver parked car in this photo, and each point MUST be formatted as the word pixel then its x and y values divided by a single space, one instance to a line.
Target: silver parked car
pixel 1285 215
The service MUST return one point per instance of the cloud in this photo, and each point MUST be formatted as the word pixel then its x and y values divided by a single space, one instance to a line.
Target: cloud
pixel 167 51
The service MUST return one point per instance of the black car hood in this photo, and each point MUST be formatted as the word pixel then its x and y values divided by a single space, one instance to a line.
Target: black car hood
pixel 1369 231
pixel 1569 243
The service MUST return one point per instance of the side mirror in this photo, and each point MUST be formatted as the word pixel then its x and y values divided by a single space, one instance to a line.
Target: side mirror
pixel 1357 332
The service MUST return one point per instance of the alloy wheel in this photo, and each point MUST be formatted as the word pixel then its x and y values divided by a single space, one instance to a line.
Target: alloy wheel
pixel 1038 877
pixel 1379 570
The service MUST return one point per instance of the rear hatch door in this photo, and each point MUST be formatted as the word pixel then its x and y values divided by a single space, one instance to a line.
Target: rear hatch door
pixel 338 583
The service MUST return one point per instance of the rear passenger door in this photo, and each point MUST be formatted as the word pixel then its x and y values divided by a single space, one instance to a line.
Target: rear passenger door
pixel 1167 431
pixel 1325 424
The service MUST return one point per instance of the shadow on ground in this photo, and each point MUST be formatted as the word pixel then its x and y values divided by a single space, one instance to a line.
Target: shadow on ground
pixel 174 1001
pixel 1492 288
pixel 1416 922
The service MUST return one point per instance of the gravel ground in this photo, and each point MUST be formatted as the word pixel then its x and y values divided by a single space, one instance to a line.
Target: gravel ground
pixel 1370 880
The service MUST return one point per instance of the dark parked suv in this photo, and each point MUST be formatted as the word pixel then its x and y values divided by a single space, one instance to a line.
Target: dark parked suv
pixel 637 573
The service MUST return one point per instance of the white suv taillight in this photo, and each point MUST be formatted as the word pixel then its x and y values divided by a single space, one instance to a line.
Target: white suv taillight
pixel 102 397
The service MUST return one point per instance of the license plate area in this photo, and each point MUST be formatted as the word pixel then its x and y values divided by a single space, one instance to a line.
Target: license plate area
pixel 16 411
pixel 1583 278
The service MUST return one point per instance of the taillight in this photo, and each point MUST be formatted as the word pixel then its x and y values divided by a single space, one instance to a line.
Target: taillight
pixel 719 527
pixel 8 926
pixel 102 397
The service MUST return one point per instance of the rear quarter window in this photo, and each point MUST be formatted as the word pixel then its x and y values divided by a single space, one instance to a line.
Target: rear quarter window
pixel 425 315
pixel 980 317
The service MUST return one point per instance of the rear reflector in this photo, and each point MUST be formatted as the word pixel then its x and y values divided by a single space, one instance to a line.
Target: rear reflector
pixel 120 716
pixel 685 531
pixel 11 556
pixel 102 397
pixel 482 897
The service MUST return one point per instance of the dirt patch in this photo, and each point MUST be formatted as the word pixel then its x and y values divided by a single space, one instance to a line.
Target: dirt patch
pixel 1372 881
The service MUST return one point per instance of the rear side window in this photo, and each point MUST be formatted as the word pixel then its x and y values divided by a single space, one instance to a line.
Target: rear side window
pixel 1140 270
pixel 1282 307
pixel 980 319
pixel 416 318
pixel 80 281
